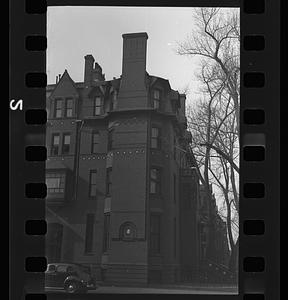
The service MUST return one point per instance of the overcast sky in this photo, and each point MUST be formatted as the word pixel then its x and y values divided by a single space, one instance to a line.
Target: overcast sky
pixel 73 32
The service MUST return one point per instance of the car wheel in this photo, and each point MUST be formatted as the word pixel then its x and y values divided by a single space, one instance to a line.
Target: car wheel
pixel 71 287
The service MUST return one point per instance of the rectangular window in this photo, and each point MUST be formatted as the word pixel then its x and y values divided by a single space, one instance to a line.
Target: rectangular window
pixel 58 108
pixel 66 143
pixel 89 233
pixel 95 142
pixel 155 138
pixel 174 147
pixel 55 183
pixel 115 100
pixel 155 234
pixel 174 187
pixel 55 144
pixel 175 237
pixel 93 183
pixel 110 139
pixel 106 236
pixel 69 108
pixel 156 95
pixel 97 106
pixel 109 182
pixel 155 181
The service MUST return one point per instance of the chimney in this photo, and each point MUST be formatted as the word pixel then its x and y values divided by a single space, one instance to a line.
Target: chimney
pixel 89 63
pixel 97 74
pixel 133 79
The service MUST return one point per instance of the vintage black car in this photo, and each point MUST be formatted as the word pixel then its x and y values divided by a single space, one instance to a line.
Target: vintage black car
pixel 71 277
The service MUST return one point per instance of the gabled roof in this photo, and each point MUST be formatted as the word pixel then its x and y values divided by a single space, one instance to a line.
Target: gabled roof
pixel 65 86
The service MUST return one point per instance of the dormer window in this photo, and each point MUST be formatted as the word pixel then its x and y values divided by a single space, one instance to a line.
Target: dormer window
pixel 156 97
pixel 98 106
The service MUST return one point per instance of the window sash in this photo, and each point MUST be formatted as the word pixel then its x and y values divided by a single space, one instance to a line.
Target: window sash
pixel 106 236
pixel 55 144
pixel 156 103
pixel 155 181
pixel 155 138
pixel 110 139
pixel 156 94
pixel 69 108
pixel 66 144
pixel 56 139
pixel 58 109
pixel 93 183
pixel 67 139
pixel 108 182
pixel 89 233
pixel 95 142
pixel 55 183
pixel 155 233
pixel 97 106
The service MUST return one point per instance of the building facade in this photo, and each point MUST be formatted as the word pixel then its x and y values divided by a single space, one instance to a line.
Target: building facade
pixel 123 195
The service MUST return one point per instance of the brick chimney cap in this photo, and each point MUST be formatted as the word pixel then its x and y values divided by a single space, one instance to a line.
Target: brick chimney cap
pixel 135 35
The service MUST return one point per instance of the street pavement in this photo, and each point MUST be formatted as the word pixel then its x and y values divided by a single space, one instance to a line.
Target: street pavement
pixel 184 289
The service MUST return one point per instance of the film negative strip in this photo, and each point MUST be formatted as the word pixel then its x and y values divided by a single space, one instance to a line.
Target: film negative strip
pixel 257 271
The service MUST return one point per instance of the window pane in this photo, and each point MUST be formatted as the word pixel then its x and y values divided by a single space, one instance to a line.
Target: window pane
pixel 89 233
pixel 97 110
pixel 58 103
pixel 53 183
pixel 62 269
pixel 58 113
pixel 98 101
pixel 154 144
pixel 95 137
pixel 93 190
pixel 67 139
pixel 156 94
pixel 156 104
pixel 153 187
pixel 155 132
pixel 69 112
pixel 154 174
pixel 69 103
pixel 93 177
pixel 56 139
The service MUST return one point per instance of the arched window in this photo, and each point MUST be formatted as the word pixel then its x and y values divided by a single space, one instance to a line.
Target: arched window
pixel 127 231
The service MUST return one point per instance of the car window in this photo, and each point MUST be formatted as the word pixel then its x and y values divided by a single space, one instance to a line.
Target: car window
pixel 51 268
pixel 62 269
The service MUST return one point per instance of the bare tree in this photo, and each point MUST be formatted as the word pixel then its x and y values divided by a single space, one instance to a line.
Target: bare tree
pixel 216 38
pixel 214 121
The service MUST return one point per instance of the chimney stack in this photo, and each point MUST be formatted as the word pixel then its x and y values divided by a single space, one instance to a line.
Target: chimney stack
pixel 89 63
pixel 133 80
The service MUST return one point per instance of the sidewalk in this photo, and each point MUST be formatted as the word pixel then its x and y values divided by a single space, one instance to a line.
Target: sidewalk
pixel 170 289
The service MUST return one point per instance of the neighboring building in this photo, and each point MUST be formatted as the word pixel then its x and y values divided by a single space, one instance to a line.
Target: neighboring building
pixel 212 230
pixel 123 195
